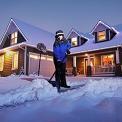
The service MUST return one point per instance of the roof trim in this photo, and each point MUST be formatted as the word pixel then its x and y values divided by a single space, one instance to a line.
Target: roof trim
pixel 115 30
pixel 13 46
pixel 74 30
pixel 99 22
pixel 5 32
pixel 19 29
pixel 12 20
pixel 96 49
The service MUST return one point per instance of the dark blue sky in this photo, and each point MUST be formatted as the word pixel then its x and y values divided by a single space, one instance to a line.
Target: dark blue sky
pixel 52 15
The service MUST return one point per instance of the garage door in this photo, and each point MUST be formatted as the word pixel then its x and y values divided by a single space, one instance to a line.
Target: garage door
pixel 46 64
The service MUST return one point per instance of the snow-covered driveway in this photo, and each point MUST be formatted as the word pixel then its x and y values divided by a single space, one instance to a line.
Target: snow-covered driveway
pixel 100 100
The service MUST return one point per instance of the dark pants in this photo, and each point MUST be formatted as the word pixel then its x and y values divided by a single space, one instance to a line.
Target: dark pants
pixel 60 74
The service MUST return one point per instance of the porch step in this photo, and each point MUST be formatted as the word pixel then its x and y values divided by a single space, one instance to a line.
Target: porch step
pixel 104 75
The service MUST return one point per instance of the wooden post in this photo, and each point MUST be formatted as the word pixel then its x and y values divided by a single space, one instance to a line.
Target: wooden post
pixel 74 66
pixel 25 61
pixel 117 56
pixel 89 71
pixel 118 71
pixel 39 65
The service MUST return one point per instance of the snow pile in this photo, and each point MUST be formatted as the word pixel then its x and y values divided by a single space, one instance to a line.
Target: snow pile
pixel 11 82
pixel 38 89
pixel 95 89
pixel 106 87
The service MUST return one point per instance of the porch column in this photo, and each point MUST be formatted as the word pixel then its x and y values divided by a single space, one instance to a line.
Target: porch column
pixel 74 66
pixel 88 59
pixel 117 56
pixel 118 71
pixel 89 71
pixel 25 61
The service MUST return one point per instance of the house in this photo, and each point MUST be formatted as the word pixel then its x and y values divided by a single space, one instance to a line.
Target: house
pixel 19 53
pixel 98 53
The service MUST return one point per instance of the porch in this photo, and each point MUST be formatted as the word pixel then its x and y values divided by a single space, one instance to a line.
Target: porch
pixel 101 64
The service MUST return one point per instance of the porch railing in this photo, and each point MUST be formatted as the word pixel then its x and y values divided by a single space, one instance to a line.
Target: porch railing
pixel 104 69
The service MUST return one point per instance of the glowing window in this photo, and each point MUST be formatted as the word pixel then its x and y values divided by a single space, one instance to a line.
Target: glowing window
pixel 74 41
pixel 108 60
pixel 1 62
pixel 49 58
pixel 15 60
pixel 14 38
pixel 101 36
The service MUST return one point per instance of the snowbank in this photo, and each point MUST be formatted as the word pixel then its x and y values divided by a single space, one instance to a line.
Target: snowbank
pixel 36 90
pixel 106 87
pixel 11 83
pixel 95 90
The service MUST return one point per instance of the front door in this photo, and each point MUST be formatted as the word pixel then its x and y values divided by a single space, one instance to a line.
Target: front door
pixel 91 64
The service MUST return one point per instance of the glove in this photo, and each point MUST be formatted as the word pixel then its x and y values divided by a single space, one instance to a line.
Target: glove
pixel 59 63
pixel 68 52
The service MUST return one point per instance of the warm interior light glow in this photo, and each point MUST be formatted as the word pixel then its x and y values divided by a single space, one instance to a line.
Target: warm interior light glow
pixel 1 62
pixel 101 36
pixel 49 58
pixel 86 54
pixel 74 41
pixel 15 57
pixel 34 56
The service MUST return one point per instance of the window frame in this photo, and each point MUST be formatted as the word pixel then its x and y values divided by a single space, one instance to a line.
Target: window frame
pixel 14 37
pixel 103 65
pixel 74 41
pixel 2 62
pixel 13 60
pixel 98 36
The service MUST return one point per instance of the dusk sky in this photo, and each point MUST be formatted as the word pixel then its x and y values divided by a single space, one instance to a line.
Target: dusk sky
pixel 52 15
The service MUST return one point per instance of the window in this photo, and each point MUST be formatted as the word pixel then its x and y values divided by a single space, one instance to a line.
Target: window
pixel 14 38
pixel 74 41
pixel 1 62
pixel 34 56
pixel 15 60
pixel 101 36
pixel 108 60
pixel 49 58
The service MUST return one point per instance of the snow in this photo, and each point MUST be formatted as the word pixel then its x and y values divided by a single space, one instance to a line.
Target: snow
pixel 32 34
pixel 17 90
pixel 10 83
pixel 99 100
pixel 90 45
pixel 36 90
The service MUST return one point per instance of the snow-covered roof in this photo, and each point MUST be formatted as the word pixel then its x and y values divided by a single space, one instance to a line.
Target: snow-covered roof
pixel 77 32
pixel 98 23
pixel 90 45
pixel 34 35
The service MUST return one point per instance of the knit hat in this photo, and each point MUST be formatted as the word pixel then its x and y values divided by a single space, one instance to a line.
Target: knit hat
pixel 59 32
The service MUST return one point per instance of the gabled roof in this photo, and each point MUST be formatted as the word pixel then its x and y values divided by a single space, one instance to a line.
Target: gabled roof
pixel 101 22
pixel 32 34
pixel 78 33
pixel 90 45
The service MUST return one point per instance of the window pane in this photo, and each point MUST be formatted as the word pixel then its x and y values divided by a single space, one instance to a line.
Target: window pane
pixel 49 58
pixel 14 38
pixel 74 41
pixel 15 61
pixel 16 33
pixel 12 35
pixel 1 62
pixel 102 35
pixel 108 60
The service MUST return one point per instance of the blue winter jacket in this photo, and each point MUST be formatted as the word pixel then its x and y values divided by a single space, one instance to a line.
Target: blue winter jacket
pixel 60 50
